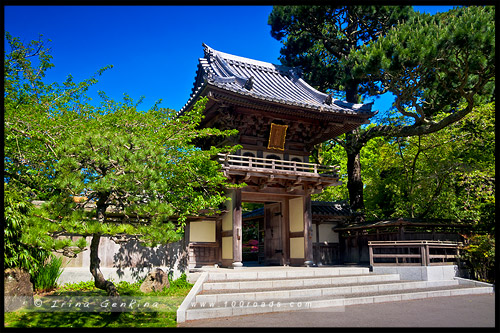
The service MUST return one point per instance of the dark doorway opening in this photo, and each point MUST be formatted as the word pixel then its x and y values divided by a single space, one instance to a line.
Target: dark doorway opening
pixel 253 234
pixel 262 234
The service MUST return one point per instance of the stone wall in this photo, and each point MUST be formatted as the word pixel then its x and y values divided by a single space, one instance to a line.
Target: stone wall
pixel 128 261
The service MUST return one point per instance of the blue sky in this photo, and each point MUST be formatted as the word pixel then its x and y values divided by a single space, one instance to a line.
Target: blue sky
pixel 154 49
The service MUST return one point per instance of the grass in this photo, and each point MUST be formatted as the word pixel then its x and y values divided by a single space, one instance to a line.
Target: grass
pixel 45 278
pixel 172 296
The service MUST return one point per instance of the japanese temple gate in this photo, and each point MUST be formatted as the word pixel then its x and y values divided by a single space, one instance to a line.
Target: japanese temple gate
pixel 279 118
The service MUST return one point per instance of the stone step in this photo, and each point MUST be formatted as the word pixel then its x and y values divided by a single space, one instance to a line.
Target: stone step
pixel 296 272
pixel 309 282
pixel 322 291
pixel 248 307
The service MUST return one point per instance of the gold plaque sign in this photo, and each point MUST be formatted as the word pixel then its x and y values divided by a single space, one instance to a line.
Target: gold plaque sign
pixel 277 137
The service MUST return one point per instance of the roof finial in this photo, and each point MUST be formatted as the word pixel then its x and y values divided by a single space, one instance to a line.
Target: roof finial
pixel 249 84
pixel 328 100
pixel 207 49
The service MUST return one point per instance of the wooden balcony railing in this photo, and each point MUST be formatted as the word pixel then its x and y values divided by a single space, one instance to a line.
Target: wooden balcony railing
pixel 421 253
pixel 266 165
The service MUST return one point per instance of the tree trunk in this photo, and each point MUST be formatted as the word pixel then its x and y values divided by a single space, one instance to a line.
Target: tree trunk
pixel 99 280
pixel 354 181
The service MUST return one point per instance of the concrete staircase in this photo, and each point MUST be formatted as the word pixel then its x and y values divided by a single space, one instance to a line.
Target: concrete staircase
pixel 224 293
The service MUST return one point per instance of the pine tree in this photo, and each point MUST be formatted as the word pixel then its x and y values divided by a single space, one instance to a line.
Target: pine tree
pixel 103 170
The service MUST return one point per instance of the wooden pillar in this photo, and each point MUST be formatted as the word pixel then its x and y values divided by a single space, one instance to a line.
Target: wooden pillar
pixel 308 248
pixel 237 230
pixel 218 237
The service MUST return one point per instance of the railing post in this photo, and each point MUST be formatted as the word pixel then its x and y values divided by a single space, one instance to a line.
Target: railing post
pixel 423 259
pixel 370 249
pixel 427 255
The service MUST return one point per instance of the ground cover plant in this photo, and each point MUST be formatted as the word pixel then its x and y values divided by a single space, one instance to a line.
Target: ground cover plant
pixel 173 296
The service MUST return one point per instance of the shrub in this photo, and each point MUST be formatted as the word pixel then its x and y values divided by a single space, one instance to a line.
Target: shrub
pixel 17 210
pixel 478 257
pixel 46 276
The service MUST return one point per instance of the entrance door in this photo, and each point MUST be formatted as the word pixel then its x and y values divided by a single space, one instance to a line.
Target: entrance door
pixel 272 234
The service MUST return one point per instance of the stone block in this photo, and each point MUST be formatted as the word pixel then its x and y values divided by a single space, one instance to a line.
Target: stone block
pixel 255 284
pixel 288 283
pixel 156 280
pixel 18 289
pixel 305 293
pixel 336 291
pixel 272 275
pixel 272 295
pixel 358 300
pixel 194 314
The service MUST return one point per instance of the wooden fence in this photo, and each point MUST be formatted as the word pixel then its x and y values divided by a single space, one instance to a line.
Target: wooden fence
pixel 421 253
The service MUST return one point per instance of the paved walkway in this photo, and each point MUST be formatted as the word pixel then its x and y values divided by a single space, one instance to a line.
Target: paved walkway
pixel 452 311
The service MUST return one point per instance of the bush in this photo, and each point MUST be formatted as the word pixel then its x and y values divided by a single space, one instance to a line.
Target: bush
pixel 46 276
pixel 478 257
pixel 17 254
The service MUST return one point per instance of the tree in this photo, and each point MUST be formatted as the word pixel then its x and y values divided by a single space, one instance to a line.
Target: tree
pixel 136 172
pixel 448 174
pixel 320 39
pixel 432 64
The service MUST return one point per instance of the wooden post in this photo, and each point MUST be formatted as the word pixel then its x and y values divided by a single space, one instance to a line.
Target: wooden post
pixel 427 255
pixel 370 249
pixel 237 230
pixel 423 259
pixel 308 253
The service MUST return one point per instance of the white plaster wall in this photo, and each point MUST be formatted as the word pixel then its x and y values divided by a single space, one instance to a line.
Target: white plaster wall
pixel 296 214
pixel 227 247
pixel 202 231
pixel 227 218
pixel 126 261
pixel 297 247
pixel 326 234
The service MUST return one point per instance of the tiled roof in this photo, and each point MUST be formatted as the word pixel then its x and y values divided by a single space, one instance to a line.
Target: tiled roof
pixel 318 208
pixel 331 208
pixel 264 81
pixel 442 223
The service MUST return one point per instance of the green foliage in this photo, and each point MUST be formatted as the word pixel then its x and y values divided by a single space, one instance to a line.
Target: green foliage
pixel 16 252
pixel 320 38
pixel 448 174
pixel 46 276
pixel 332 153
pixel 78 286
pixel 93 319
pixel 432 64
pixel 439 69
pixel 178 287
pixel 479 257
pixel 144 164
